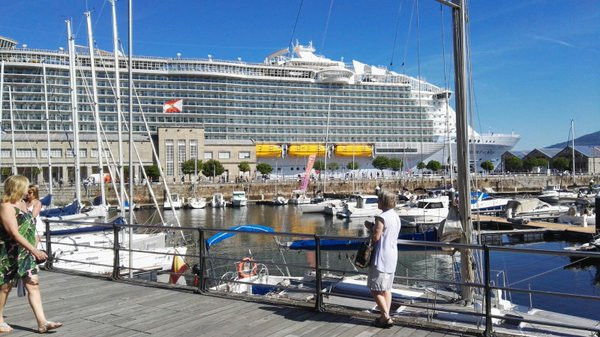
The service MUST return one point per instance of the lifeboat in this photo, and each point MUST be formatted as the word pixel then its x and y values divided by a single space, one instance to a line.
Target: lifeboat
pixel 303 150
pixel 268 150
pixel 356 150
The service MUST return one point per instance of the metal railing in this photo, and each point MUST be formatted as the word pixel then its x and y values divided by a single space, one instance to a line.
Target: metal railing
pixel 201 271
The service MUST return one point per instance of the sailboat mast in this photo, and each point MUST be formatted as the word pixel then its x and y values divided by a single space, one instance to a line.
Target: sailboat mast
pixel 118 106
pixel 326 140
pixel 74 112
pixel 12 132
pixel 573 148
pixel 95 104
pixel 47 130
pixel 130 71
pixel 462 142
pixel 1 110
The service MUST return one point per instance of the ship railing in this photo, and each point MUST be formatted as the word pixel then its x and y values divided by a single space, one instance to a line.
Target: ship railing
pixel 486 290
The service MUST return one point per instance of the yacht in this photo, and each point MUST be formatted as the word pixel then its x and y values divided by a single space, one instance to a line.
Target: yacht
pixel 299 197
pixel 426 212
pixel 196 202
pixel 366 206
pixel 175 203
pixel 553 195
pixel 483 203
pixel 524 210
pixel 239 199
pixel 217 201
pixel 319 207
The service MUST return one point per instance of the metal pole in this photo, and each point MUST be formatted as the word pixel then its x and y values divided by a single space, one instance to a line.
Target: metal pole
pixel 488 291
pixel 573 149
pixel 597 205
pixel 201 257
pixel 130 62
pixel 318 276
pixel 12 132
pixel 116 259
pixel 47 131
pixel 74 112
pixel 48 245
pixel 1 104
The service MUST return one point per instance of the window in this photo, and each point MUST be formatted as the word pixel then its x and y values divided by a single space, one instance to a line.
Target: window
pixel 6 154
pixel 26 153
pixel 193 149
pixel 180 153
pixel 224 155
pixel 207 155
pixel 244 155
pixel 169 157
pixel 56 153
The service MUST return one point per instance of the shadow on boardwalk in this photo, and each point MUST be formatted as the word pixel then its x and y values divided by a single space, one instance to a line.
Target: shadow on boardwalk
pixel 91 306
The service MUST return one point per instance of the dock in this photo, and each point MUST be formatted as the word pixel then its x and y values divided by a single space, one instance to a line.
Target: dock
pixel 97 306
pixel 591 230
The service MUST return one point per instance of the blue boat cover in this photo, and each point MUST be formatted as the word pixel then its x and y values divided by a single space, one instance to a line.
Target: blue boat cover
pixel 61 211
pixel 87 229
pixel 475 196
pixel 220 236
pixel 336 244
pixel 46 200
pixel 97 201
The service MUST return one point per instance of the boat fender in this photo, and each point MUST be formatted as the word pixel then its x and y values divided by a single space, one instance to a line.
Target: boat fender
pixel 246 267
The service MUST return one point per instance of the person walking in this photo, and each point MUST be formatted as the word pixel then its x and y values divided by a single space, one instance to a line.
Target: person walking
pixel 384 234
pixel 18 254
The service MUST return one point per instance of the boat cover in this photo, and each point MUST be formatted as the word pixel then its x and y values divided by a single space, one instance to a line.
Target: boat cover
pixel 46 200
pixel 220 236
pixel 337 244
pixel 61 211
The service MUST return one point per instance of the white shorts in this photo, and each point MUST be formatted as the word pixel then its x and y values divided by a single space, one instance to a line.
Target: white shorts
pixel 379 281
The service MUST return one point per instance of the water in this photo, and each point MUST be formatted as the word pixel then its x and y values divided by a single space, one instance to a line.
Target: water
pixel 540 272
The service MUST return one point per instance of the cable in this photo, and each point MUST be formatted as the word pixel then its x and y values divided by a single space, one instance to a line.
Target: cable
pixel 395 36
pixel 296 23
pixel 326 25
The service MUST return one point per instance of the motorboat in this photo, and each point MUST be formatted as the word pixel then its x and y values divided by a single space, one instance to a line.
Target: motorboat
pixel 196 203
pixel 319 207
pixel 332 209
pixel 426 212
pixel 217 201
pixel 583 216
pixel 239 199
pixel 299 197
pixel 280 200
pixel 532 209
pixel 484 203
pixel 552 194
pixel 366 206
pixel 175 203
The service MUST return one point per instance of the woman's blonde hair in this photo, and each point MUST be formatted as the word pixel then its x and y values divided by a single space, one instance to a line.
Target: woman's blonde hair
pixel 387 199
pixel 14 188
pixel 34 190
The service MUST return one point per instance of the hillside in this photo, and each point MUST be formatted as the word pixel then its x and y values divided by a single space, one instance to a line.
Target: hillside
pixel 591 139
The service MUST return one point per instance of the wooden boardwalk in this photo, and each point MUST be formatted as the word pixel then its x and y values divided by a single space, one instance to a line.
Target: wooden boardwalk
pixel 91 306
pixel 540 224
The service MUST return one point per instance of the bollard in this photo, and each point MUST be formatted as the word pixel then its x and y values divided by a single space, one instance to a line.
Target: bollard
pixel 598 212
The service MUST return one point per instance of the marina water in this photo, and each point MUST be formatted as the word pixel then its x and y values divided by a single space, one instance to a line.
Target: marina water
pixel 524 271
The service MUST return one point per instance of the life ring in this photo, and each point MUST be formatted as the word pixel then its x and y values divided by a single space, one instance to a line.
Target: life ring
pixel 243 272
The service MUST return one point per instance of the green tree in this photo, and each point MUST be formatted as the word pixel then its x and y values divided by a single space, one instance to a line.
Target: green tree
pixel 561 164
pixel 333 166
pixel 244 166
pixel 352 165
pixel 381 162
pixel 34 173
pixel 513 164
pixel 396 164
pixel 187 167
pixel 319 165
pixel 152 172
pixel 264 168
pixel 434 165
pixel 531 163
pixel 487 165
pixel 421 165
pixel 212 168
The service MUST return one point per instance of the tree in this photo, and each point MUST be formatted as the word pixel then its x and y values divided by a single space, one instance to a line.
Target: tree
pixel 352 165
pixel 530 163
pixel 244 166
pixel 264 168
pixel 212 168
pixel 381 162
pixel 421 165
pixel 34 173
pixel 487 165
pixel 396 164
pixel 561 164
pixel 434 165
pixel 188 167
pixel 152 172
pixel 513 164
pixel 333 166
pixel 319 165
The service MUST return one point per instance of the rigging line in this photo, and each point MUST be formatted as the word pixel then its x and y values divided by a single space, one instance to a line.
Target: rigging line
pixel 548 271
pixel 395 35
pixel 419 79
pixel 296 22
pixel 100 14
pixel 447 101
pixel 412 12
pixel 326 25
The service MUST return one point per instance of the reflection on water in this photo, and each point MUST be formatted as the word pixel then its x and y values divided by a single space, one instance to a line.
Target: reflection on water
pixel 540 272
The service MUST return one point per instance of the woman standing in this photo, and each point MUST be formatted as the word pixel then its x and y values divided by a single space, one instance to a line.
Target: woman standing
pixel 18 253
pixel 34 205
pixel 383 266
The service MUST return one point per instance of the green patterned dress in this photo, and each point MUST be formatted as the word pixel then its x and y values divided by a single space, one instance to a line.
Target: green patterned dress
pixel 17 262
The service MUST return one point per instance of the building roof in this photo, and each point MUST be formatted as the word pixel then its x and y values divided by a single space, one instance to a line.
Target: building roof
pixel 549 152
pixel 518 153
pixel 588 151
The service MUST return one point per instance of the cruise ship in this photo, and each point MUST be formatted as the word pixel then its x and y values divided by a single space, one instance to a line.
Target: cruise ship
pixel 293 104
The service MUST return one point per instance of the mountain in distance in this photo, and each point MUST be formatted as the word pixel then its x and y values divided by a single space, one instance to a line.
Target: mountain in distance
pixel 591 139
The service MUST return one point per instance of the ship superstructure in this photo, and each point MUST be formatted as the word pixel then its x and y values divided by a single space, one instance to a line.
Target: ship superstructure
pixel 290 105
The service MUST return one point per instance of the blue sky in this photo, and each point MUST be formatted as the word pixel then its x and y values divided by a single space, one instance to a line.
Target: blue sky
pixel 535 62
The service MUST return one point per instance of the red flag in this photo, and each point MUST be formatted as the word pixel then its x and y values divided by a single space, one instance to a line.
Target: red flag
pixel 173 106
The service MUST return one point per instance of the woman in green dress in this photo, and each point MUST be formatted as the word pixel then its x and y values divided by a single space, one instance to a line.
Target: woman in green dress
pixel 18 252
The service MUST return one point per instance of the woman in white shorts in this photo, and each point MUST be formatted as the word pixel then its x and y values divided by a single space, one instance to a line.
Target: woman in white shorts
pixel 385 256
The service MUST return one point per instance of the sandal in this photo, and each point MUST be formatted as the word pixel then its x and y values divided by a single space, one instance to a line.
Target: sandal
pixel 4 327
pixel 49 326
pixel 384 324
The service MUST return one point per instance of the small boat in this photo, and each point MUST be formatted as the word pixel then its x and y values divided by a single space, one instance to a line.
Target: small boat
pixel 319 207
pixel 280 201
pixel 579 216
pixel 428 212
pixel 592 246
pixel 332 209
pixel 366 206
pixel 553 195
pixel 239 199
pixel 196 203
pixel 175 203
pixel 217 201
pixel 299 197
pixel 483 203
pixel 126 205
pixel 524 210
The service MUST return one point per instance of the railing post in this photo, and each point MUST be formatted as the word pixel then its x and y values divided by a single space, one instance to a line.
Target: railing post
pixel 488 291
pixel 116 260
pixel 49 261
pixel 201 258
pixel 318 276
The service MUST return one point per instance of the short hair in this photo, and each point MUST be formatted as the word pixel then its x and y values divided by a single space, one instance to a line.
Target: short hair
pixel 14 188
pixel 387 198
pixel 35 190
